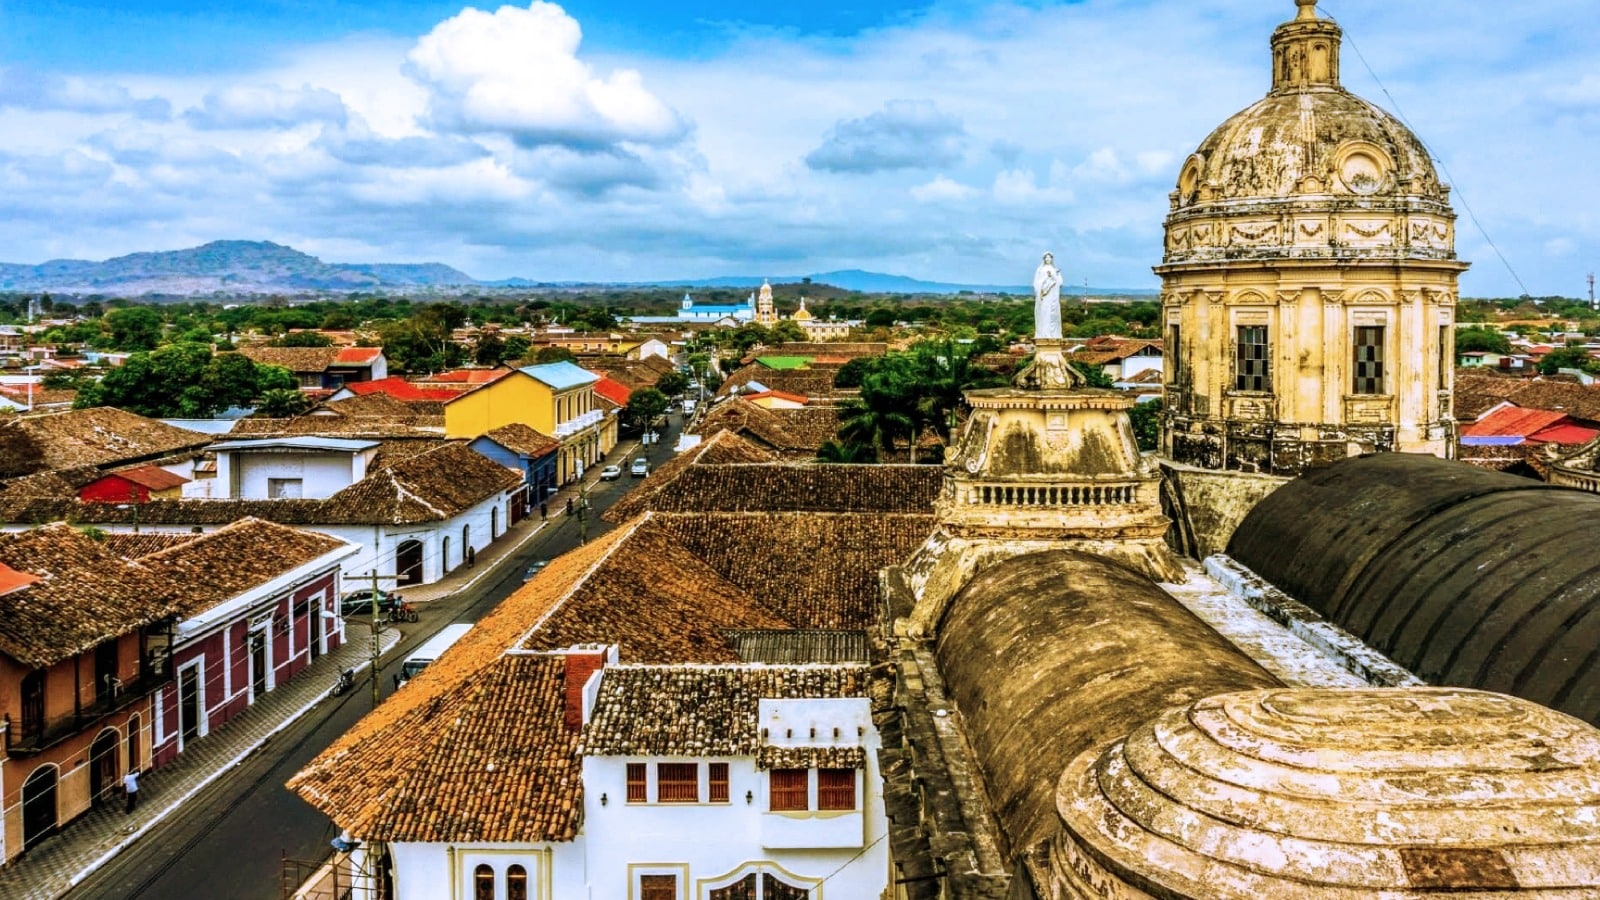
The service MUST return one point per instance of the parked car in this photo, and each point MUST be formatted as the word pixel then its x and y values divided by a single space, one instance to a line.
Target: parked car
pixel 640 468
pixel 610 473
pixel 536 568
pixel 355 603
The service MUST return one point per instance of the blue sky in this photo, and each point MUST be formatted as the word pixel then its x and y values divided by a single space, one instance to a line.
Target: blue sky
pixel 602 139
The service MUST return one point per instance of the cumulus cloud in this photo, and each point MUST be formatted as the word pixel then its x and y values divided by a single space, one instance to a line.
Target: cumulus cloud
pixel 266 106
pixel 942 189
pixel 905 134
pixel 516 72
pixel 44 91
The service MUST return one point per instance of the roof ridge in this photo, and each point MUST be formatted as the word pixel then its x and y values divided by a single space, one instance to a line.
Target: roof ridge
pixel 621 535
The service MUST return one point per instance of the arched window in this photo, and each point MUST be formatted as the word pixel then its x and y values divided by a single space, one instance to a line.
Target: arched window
pixel 516 883
pixel 494 523
pixel 466 537
pixel 483 882
pixel 444 555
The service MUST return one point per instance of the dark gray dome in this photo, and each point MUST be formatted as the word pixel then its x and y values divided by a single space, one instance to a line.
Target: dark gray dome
pixel 1051 654
pixel 1469 578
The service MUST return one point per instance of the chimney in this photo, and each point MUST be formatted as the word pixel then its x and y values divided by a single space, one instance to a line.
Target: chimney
pixel 581 663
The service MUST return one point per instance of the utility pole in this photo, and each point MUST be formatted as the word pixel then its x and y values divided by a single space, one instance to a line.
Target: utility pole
pixel 583 511
pixel 373 666
pixel 1592 304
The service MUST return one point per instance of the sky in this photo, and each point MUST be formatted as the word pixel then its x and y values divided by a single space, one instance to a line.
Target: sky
pixel 624 140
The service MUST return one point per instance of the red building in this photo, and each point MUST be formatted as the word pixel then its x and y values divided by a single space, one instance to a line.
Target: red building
pixel 137 485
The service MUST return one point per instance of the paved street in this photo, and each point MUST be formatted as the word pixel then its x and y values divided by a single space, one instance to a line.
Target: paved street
pixel 232 838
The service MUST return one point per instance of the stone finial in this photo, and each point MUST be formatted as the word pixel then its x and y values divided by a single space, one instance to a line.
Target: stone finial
pixel 1308 9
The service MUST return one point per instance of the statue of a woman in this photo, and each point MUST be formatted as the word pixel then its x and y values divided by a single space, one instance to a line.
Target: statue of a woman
pixel 1047 299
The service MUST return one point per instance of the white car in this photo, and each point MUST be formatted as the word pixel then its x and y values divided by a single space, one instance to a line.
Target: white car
pixel 610 473
pixel 640 468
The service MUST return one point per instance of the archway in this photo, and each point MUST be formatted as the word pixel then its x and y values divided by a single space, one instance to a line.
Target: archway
pixel 408 562
pixel 133 742
pixel 444 556
pixel 103 768
pixel 494 523
pixel 38 805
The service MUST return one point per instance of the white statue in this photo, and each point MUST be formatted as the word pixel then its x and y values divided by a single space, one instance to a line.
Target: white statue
pixel 1047 299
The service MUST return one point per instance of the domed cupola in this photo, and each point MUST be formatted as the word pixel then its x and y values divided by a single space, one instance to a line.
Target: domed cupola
pixel 1309 275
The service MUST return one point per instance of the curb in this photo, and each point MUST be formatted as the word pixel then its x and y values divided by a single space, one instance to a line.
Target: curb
pixel 206 782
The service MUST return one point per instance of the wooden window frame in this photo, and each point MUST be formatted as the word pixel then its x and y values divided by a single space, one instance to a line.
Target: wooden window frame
pixel 677 782
pixel 840 794
pixel 658 886
pixel 788 790
pixel 638 783
pixel 717 782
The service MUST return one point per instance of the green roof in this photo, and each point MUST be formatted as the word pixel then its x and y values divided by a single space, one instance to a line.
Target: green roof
pixel 785 362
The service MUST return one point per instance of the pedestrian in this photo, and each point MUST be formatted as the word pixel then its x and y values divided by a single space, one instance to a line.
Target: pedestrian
pixel 544 511
pixel 130 788
pixel 397 681
pixel 569 506
pixel 472 556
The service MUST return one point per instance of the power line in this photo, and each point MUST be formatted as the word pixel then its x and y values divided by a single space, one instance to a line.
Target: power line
pixel 1395 105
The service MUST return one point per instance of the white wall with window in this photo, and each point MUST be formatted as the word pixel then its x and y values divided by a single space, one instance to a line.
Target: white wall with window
pixel 489 871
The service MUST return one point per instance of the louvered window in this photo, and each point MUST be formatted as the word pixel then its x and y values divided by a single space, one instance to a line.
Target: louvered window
pixel 638 792
pixel 658 887
pixel 836 789
pixel 719 782
pixel 1250 359
pixel 789 788
pixel 1368 360
pixel 677 783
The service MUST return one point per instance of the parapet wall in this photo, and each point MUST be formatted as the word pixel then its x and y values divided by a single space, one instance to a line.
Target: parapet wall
pixel 1207 506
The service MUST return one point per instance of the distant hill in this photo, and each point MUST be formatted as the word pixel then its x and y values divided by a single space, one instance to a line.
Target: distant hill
pixel 262 267
pixel 232 266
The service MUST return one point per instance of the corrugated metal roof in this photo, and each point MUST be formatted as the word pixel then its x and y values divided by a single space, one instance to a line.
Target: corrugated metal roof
pixel 791 646
pixel 1513 421
pixel 1565 433
pixel 296 443
pixel 560 375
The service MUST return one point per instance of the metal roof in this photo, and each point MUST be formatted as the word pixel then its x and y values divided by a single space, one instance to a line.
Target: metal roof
pixel 561 376
pixel 297 443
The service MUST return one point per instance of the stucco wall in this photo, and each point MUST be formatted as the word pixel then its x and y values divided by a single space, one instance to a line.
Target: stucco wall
pixel 1206 506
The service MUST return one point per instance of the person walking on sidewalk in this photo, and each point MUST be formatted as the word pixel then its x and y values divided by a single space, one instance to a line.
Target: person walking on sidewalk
pixel 544 511
pixel 130 788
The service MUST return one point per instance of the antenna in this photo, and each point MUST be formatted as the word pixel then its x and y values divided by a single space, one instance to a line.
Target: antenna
pixel 1592 304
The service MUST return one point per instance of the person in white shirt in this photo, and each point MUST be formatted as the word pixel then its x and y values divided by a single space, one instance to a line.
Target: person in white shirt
pixel 130 788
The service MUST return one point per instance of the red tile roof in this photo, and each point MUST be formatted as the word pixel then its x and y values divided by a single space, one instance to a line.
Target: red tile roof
pixel 468 376
pixel 1514 421
pixel 12 580
pixel 780 395
pixel 152 478
pixel 1565 433
pixel 401 389
pixel 611 390
pixel 357 356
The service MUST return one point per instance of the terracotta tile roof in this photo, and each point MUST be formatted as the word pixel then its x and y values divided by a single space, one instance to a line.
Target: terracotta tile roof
pixel 777 395
pixel 414 768
pixel 57 484
pixel 85 595
pixel 102 437
pixel 721 447
pixel 357 356
pixel 1576 400
pixel 219 566
pixel 795 646
pixel 829 348
pixel 811 570
pixel 789 488
pixel 465 377
pixel 796 432
pixel 413 424
pixel 295 359
pixel 524 440
pixel 41 396
pixel 611 390
pixel 771 757
pixel 425 487
pixel 701 710
pixel 816 382
pixel 134 546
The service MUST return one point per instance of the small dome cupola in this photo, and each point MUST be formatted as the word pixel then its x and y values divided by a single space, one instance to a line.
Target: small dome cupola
pixel 1305 52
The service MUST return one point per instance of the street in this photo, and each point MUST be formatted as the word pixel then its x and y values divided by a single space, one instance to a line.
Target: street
pixel 232 839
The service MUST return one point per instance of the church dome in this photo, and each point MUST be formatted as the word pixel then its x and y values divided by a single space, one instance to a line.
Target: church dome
pixel 1309 147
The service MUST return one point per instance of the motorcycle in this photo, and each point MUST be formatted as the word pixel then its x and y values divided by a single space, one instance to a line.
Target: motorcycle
pixel 401 611
pixel 347 680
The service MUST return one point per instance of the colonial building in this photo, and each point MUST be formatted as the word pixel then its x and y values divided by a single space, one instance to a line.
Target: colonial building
pixel 557 399
pixel 766 311
pixel 1309 280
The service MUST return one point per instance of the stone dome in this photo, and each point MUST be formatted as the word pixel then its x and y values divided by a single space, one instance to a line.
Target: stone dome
pixel 1310 169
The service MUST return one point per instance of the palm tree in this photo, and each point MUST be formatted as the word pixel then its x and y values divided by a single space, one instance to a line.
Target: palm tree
pixel 885 410
pixel 845 453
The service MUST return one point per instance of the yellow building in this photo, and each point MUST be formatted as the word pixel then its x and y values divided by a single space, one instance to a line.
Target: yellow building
pixel 557 399
pixel 1309 282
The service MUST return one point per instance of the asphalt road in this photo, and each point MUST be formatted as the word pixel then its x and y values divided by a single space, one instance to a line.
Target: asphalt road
pixel 232 840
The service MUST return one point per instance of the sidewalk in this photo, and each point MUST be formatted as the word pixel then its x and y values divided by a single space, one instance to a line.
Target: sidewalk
pixel 88 842
pixel 516 537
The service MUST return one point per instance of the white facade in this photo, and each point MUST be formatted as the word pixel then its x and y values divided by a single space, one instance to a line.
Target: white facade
pixel 281 470
pixel 553 871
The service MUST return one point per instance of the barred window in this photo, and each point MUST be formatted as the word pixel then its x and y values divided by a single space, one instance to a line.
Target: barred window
pixel 719 782
pixel 637 790
pixel 677 782
pixel 836 789
pixel 789 788
pixel 1250 359
pixel 1173 351
pixel 1446 358
pixel 1368 367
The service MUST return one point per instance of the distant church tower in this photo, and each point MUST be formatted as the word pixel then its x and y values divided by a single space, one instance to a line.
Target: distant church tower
pixel 766 313
pixel 1309 281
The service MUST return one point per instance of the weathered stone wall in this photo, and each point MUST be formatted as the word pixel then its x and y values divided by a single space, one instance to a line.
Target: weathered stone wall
pixel 1206 507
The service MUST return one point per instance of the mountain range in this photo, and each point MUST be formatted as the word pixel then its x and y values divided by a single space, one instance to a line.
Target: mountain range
pixel 246 267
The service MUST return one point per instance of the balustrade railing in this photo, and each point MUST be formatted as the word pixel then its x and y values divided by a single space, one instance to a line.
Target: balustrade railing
pixel 1020 495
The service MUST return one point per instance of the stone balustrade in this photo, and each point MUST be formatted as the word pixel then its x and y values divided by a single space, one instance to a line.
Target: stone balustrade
pixel 1047 495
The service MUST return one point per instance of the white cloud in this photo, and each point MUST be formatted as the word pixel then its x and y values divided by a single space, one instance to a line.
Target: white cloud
pixel 905 134
pixel 942 189
pixel 266 106
pixel 516 71
pixel 26 89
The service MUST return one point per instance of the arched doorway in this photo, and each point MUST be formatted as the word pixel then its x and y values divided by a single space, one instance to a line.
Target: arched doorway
pixel 444 555
pixel 38 805
pixel 103 768
pixel 408 562
pixel 494 523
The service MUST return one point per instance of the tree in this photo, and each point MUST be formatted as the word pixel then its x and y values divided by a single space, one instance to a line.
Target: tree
pixel 490 349
pixel 788 331
pixel 673 384
pixel 885 411
pixel 184 381
pixel 851 373
pixel 1093 376
pixel 554 354
pixel 282 403
pixel 1567 358
pixel 303 339
pixel 133 329
pixel 644 407
pixel 1487 340
pixel 843 453
pixel 1146 419
pixel 517 347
